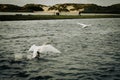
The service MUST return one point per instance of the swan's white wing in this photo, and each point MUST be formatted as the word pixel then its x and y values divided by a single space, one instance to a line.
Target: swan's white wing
pixel 32 48
pixel 49 48
pixel 34 53
pixel 83 25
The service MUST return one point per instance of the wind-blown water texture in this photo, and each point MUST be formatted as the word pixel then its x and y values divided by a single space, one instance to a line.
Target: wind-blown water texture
pixel 91 53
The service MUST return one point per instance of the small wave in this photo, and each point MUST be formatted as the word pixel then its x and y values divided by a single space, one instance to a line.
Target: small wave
pixel 20 37
pixel 16 62
pixel 78 69
pixel 1 37
pixel 21 74
pixel 41 78
pixel 87 78
pixel 3 67
pixel 2 61
pixel 16 37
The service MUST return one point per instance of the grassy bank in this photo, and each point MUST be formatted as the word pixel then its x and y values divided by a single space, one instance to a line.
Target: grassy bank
pixel 48 17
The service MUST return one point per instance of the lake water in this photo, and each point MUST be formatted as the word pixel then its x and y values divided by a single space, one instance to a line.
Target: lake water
pixel 91 53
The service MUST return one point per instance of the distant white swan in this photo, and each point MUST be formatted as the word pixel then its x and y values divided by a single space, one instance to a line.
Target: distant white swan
pixel 42 49
pixel 83 25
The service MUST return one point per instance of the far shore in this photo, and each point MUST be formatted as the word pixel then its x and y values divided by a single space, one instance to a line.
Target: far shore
pixel 50 17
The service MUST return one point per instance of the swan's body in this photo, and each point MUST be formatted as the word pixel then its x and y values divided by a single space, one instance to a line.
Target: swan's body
pixel 43 49
pixel 83 25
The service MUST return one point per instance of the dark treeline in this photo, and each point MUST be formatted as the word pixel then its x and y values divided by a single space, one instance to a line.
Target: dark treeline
pixel 25 8
pixel 88 8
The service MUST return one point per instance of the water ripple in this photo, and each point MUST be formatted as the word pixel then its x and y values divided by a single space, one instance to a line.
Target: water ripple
pixel 87 54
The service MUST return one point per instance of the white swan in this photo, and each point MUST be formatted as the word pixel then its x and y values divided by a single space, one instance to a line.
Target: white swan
pixel 83 25
pixel 42 49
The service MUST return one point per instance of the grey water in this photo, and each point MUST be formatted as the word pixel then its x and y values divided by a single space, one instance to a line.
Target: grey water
pixel 91 53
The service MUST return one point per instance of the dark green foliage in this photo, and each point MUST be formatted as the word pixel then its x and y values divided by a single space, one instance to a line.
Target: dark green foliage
pixel 114 8
pixel 53 8
pixel 92 8
pixel 63 10
pixel 9 7
pixel 60 8
pixel 88 8
pixel 33 7
pixel 26 8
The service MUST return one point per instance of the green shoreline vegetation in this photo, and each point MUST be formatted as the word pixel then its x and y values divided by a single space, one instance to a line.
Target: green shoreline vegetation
pixel 66 7
pixel 49 17
pixel 112 11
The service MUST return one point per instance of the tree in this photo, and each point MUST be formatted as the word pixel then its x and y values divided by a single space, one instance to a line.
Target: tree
pixel 33 7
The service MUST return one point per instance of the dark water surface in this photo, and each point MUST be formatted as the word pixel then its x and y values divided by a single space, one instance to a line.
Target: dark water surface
pixel 91 53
